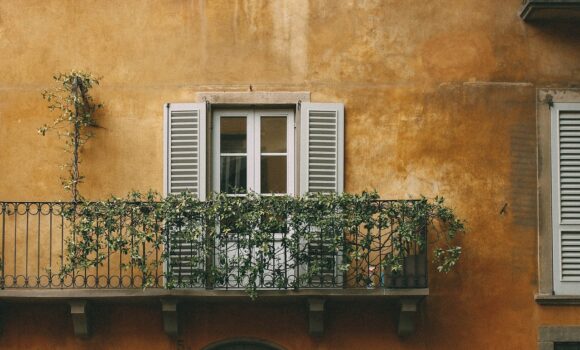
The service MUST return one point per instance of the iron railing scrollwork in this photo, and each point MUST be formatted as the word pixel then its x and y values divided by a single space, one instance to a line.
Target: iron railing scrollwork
pixel 33 252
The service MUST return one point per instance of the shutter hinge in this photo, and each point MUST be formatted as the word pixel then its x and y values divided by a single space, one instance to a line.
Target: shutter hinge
pixel 549 100
pixel 298 108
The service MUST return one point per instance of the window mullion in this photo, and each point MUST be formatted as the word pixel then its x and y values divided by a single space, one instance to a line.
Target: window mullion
pixel 253 147
pixel 216 154
pixel 290 153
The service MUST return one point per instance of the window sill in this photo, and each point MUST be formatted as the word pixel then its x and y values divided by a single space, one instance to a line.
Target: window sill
pixel 548 299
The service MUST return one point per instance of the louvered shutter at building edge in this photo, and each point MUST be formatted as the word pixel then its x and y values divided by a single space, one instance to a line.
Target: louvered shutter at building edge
pixel 566 197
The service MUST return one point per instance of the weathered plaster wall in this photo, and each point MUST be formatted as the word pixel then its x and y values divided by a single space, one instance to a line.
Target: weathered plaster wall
pixel 439 96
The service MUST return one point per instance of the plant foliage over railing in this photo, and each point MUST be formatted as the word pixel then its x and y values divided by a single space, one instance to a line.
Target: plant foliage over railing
pixel 268 235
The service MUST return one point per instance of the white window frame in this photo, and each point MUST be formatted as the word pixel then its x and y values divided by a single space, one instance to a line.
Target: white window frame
pixel 253 140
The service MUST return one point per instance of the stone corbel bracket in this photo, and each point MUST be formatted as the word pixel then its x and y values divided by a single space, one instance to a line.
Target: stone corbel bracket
pixel 81 324
pixel 170 317
pixel 409 308
pixel 405 327
pixel 316 316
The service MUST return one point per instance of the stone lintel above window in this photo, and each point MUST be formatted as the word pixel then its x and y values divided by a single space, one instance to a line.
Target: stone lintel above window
pixel 254 97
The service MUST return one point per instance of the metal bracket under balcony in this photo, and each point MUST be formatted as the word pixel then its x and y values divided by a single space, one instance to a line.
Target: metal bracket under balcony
pixel 545 10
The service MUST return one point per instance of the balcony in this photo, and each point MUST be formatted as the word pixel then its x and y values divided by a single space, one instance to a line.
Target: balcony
pixel 38 245
pixel 541 10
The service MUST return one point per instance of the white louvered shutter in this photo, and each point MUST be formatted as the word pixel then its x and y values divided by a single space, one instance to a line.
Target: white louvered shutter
pixel 185 148
pixel 322 170
pixel 322 147
pixel 185 170
pixel 566 197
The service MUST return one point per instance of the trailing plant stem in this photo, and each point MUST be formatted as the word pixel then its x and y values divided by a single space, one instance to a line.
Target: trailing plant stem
pixel 77 110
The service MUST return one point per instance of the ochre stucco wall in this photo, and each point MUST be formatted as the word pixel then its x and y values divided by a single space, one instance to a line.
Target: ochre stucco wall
pixel 440 99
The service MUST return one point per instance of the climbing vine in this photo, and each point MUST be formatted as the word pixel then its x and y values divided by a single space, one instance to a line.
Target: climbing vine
pixel 76 108
pixel 253 242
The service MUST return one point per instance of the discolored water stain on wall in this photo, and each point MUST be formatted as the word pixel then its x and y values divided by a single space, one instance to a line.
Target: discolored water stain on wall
pixel 290 28
pixel 452 55
pixel 523 175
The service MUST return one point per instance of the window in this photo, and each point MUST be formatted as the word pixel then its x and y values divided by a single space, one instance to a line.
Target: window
pixel 285 149
pixel 253 150
pixel 559 338
pixel 558 120
pixel 567 346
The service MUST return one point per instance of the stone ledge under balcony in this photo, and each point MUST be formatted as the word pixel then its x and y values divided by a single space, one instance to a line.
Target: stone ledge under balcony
pixel 24 294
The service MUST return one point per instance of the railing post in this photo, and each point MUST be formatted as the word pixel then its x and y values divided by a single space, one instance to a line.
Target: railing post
pixel 156 285
pixel 210 258
pixel 166 252
pixel 344 253
pixel 425 259
pixel 74 239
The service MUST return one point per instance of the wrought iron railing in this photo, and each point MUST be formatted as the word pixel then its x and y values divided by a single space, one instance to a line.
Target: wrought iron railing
pixel 34 237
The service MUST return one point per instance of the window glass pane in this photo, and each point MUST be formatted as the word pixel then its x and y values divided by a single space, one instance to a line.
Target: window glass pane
pixel 273 174
pixel 233 174
pixel 567 346
pixel 273 134
pixel 233 135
